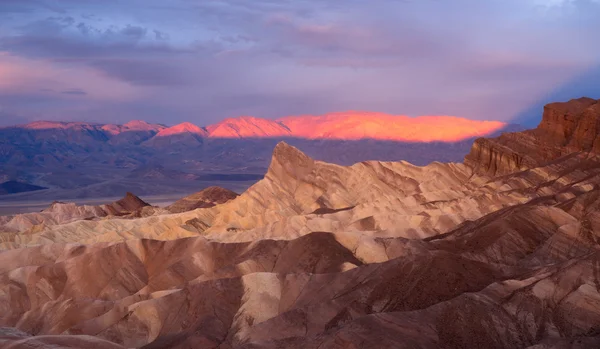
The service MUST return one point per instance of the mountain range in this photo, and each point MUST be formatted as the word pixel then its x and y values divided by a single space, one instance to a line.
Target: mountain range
pixel 501 250
pixel 86 160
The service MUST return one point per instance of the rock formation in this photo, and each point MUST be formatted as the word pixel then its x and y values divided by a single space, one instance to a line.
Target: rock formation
pixel 571 123
pixel 565 128
pixel 499 252
pixel 59 213
pixel 205 198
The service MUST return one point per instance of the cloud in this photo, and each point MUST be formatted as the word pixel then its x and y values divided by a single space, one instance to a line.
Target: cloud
pixel 65 37
pixel 203 60
pixel 143 72
pixel 74 92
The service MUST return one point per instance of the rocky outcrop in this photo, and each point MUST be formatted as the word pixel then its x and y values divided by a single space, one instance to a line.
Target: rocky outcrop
pixel 205 198
pixel 510 153
pixel 492 157
pixel 561 121
pixel 565 128
pixel 62 213
pixel 130 203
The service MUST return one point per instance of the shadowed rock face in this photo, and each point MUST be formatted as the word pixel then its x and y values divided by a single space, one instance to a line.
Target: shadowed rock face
pixel 130 203
pixel 571 123
pixel 205 198
pixel 315 255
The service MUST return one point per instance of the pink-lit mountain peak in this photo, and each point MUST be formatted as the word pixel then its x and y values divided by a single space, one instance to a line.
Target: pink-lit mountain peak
pixel 354 125
pixel 350 125
pixel 247 127
pixel 185 127
pixel 141 125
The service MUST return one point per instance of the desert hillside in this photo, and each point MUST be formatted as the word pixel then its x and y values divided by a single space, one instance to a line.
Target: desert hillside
pixel 499 251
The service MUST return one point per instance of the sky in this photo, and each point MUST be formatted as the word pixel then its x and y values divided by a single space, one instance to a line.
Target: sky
pixel 200 61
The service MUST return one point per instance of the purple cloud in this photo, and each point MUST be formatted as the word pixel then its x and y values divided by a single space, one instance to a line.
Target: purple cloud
pixel 74 92
pixel 203 61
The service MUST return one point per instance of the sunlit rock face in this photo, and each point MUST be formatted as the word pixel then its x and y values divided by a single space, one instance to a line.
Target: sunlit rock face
pixel 501 251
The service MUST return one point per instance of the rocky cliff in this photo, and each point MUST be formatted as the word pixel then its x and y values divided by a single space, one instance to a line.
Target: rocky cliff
pixel 566 128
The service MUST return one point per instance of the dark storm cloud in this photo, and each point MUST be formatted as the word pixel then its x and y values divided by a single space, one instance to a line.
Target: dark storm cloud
pixel 203 60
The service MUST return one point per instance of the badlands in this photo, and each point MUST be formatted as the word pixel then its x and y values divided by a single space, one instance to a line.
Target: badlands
pixel 500 251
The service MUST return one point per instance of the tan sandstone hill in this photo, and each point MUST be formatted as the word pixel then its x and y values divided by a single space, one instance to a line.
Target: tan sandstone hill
pixel 59 213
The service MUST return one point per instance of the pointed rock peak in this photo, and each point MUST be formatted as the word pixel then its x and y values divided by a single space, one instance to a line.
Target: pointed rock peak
pixel 129 203
pixel 130 195
pixel 288 155
pixel 283 148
